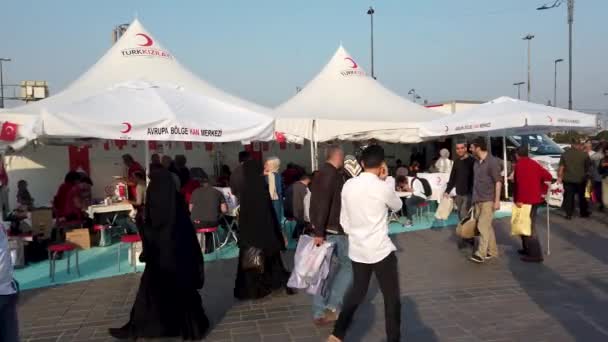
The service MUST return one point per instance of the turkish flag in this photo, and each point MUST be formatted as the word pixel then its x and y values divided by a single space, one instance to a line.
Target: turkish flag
pixel 188 145
pixel 152 145
pixel 9 131
pixel 120 144
pixel 106 145
pixel 283 145
pixel 208 146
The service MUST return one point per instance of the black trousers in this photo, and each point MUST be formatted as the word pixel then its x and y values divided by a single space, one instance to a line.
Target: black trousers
pixel 570 191
pixel 531 244
pixel 388 279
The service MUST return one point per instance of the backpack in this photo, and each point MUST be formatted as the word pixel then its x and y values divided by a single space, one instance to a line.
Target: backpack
pixel 425 184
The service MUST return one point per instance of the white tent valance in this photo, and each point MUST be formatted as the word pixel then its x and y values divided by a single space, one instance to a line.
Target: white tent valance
pixel 347 104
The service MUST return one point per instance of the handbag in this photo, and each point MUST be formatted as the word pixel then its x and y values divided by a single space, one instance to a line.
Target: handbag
pixel 445 209
pixel 521 223
pixel 467 228
pixel 252 259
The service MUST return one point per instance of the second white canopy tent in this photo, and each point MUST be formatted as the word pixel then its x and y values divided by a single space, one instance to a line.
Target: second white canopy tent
pixel 344 103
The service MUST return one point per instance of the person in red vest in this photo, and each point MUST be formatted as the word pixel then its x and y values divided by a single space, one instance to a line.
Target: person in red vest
pixel 197 174
pixel 530 178
pixel 132 167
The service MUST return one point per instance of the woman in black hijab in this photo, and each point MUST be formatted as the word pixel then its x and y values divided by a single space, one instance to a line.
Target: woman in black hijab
pixel 168 303
pixel 258 228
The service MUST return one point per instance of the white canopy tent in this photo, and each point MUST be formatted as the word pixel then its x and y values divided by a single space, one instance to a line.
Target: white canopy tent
pixel 508 116
pixel 139 91
pixel 343 102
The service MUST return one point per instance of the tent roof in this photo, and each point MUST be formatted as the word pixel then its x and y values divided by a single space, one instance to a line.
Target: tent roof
pixel 137 57
pixel 506 115
pixel 352 104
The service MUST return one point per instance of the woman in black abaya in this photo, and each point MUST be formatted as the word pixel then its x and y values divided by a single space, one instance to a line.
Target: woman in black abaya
pixel 259 228
pixel 168 303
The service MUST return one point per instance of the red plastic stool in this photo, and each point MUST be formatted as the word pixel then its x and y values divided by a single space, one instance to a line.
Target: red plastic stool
pixel 129 239
pixel 201 238
pixel 68 248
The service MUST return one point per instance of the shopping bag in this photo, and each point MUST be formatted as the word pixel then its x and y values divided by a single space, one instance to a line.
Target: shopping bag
pixel 308 261
pixel 444 209
pixel 555 195
pixel 467 228
pixel 521 223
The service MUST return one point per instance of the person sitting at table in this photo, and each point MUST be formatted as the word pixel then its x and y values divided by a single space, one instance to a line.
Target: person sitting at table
pixel 24 198
pixel 207 205
pixel 61 197
pixel 197 174
pixel 400 169
pixel 418 197
pixel 131 167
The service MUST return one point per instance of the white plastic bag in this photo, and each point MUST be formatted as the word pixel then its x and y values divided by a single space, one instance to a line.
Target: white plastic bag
pixel 444 209
pixel 555 195
pixel 307 262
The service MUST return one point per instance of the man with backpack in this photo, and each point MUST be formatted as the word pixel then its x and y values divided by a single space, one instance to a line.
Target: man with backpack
pixel 421 190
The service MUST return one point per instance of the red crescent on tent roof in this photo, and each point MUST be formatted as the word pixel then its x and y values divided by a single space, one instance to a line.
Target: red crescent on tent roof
pixel 355 65
pixel 127 127
pixel 149 40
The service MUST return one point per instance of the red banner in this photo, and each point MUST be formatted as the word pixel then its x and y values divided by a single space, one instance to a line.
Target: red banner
pixel 9 131
pixel 79 159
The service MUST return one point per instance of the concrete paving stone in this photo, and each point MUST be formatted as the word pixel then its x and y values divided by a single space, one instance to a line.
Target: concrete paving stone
pixel 247 338
pixel 276 338
pixel 302 332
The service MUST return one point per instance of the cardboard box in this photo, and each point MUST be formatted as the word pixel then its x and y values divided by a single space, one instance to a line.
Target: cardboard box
pixel 42 221
pixel 80 237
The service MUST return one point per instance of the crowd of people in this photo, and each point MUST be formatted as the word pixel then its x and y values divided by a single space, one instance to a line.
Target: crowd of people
pixel 345 203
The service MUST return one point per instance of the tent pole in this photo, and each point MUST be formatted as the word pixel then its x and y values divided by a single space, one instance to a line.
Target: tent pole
pixel 504 156
pixel 147 160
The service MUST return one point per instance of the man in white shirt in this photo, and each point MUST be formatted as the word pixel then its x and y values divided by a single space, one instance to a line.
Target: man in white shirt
pixel 364 218
pixel 8 293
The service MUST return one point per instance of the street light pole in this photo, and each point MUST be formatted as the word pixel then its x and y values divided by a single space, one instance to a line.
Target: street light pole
pixel 555 83
pixel 557 3
pixel 371 12
pixel 518 85
pixel 2 81
pixel 529 38
pixel 570 22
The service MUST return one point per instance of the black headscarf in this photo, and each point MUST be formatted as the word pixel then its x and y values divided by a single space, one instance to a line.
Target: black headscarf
pixel 258 224
pixel 169 240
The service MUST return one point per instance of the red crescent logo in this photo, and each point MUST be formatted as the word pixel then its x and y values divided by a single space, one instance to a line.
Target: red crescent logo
pixel 447 128
pixel 127 127
pixel 148 42
pixel 355 65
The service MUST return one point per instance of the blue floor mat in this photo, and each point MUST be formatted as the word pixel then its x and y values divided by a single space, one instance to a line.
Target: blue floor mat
pixel 102 262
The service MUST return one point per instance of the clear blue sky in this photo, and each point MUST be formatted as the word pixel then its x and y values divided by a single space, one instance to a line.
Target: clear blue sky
pixel 262 50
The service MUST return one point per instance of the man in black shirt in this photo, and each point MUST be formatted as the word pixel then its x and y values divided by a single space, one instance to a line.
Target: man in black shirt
pixel 461 178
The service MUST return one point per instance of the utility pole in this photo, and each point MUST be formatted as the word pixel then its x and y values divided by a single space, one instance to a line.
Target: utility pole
pixel 371 12
pixel 529 38
pixel 518 85
pixel 2 81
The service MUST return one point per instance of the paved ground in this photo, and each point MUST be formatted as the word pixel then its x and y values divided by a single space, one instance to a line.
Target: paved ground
pixel 444 296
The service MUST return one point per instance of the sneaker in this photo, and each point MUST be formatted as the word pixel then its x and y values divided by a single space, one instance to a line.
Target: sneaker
pixel 329 317
pixel 476 258
pixel 489 256
pixel 408 224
